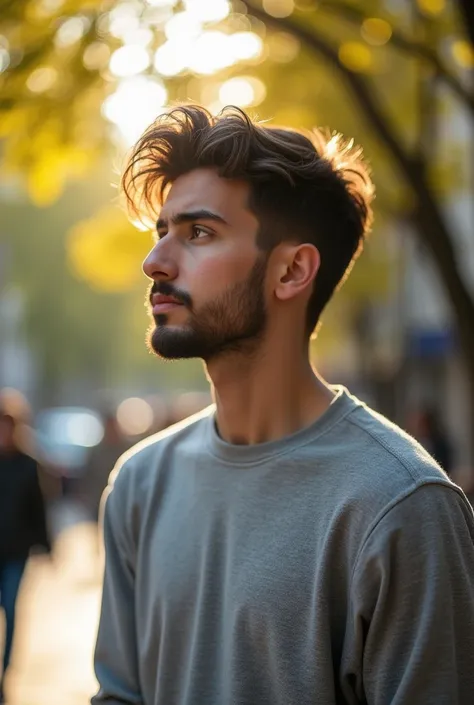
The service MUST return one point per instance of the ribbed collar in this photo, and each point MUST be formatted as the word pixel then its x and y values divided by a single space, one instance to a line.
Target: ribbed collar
pixel 342 404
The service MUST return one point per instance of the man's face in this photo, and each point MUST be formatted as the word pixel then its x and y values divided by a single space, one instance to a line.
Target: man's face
pixel 208 292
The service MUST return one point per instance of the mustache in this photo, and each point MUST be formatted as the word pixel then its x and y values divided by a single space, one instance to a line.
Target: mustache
pixel 167 289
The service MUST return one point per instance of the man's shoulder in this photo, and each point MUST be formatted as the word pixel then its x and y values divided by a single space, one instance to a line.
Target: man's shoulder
pixel 385 463
pixel 144 458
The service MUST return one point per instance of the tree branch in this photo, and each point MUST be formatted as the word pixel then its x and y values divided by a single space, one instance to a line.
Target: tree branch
pixel 466 8
pixel 410 46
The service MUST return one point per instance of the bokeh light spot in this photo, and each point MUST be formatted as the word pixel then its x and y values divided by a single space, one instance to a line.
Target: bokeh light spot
pixel 376 31
pixel 243 91
pixel 207 10
pixel 246 45
pixel 134 105
pixel 135 416
pixel 71 31
pixel 431 7
pixel 96 56
pixel 283 47
pixel 4 59
pixel 279 8
pixel 42 79
pixel 172 57
pixel 355 56
pixel 182 26
pixel 463 52
pixel 129 60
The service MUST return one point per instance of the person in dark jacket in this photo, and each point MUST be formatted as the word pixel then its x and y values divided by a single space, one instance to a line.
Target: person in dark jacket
pixel 22 523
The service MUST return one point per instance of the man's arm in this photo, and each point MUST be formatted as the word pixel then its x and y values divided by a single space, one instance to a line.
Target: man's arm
pixel 412 601
pixel 37 511
pixel 115 659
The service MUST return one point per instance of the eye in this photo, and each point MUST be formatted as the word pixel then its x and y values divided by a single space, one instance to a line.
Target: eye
pixel 197 232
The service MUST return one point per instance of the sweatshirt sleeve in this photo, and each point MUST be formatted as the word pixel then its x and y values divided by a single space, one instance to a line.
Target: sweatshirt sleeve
pixel 115 659
pixel 412 604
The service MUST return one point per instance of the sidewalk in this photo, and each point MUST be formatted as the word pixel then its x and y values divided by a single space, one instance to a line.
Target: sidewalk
pixel 57 616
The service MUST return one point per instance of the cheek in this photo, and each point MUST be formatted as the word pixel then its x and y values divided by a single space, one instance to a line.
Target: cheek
pixel 214 274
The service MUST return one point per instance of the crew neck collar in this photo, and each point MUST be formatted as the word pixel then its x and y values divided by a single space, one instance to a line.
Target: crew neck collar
pixel 232 453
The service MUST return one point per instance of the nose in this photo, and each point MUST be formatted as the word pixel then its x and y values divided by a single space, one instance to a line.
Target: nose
pixel 159 263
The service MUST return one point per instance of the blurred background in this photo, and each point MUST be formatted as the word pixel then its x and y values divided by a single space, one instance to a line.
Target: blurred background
pixel 79 81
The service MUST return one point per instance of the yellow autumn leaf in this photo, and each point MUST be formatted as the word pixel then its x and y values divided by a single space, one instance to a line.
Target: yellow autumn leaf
pixel 45 181
pixel 107 251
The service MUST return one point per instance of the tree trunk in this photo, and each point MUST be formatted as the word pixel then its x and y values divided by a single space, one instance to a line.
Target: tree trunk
pixel 466 8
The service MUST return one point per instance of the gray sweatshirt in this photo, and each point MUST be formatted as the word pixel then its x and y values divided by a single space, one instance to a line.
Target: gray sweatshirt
pixel 332 567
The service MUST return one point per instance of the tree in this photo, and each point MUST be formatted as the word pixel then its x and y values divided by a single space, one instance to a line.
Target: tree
pixel 53 130
pixel 414 164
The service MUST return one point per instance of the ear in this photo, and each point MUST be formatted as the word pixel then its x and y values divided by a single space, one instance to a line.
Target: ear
pixel 296 270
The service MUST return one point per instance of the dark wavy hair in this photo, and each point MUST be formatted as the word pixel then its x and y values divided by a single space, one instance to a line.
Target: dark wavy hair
pixel 304 186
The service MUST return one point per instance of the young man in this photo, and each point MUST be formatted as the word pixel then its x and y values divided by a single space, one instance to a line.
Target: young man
pixel 287 546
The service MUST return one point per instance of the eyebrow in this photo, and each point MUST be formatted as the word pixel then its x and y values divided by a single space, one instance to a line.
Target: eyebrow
pixel 188 216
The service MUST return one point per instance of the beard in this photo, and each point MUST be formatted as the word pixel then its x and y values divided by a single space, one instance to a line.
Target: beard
pixel 233 322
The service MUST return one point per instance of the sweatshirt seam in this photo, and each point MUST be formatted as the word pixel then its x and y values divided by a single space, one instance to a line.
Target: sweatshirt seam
pixel 381 442
pixel 285 451
pixel 391 505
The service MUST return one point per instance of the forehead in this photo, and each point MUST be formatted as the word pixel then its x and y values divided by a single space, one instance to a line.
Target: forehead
pixel 205 189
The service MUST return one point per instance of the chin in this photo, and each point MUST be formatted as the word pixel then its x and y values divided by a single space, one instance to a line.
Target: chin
pixel 172 343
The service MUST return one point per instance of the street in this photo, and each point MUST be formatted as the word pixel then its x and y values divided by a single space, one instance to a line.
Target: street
pixel 57 618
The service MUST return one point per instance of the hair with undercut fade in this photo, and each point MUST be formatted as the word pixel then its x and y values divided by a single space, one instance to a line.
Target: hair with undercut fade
pixel 304 186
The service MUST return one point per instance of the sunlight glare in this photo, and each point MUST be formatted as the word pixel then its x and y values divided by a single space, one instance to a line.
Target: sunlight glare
pixel 161 3
pixel 124 18
pixel 246 45
pixel 242 91
pixel 212 51
pixel 71 31
pixel 207 10
pixel 182 26
pixel 136 103
pixel 129 60
pixel 172 57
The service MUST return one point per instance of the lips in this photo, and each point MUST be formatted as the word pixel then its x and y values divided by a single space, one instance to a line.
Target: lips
pixel 162 304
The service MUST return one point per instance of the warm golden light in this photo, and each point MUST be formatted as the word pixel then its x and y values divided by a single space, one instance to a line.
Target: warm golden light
pixel 172 57
pixel 207 10
pixel 96 56
pixel 42 79
pixel 134 105
pixel 463 52
pixel 245 45
pixel 432 7
pixel 182 26
pixel 107 251
pixel 356 56
pixel 243 91
pixel 212 52
pixel 129 60
pixel 4 59
pixel 279 8
pixel 376 31
pixel 282 47
pixel 71 31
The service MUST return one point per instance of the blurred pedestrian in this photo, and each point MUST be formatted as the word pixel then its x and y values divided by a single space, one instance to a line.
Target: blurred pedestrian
pixel 287 544
pixel 22 523
pixel 100 463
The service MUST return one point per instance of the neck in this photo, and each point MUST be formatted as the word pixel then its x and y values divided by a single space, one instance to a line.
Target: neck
pixel 266 396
